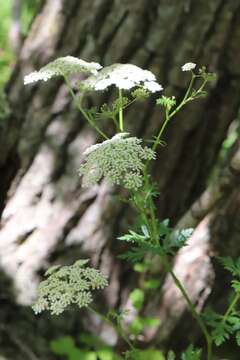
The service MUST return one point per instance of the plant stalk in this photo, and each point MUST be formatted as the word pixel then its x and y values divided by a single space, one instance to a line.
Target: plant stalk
pixel 121 126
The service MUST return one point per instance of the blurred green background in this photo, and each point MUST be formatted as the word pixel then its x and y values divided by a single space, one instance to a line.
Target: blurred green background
pixel 7 56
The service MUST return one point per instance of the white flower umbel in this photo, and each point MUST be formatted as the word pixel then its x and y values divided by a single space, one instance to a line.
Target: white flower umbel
pixel 123 76
pixel 188 66
pixel 63 66
pixel 120 160
pixel 152 86
pixel 68 285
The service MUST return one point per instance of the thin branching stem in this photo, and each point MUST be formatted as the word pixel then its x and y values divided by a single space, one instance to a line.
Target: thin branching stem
pixel 118 328
pixel 121 125
pixel 153 220
pixel 231 307
pixel 82 111
pixel 191 306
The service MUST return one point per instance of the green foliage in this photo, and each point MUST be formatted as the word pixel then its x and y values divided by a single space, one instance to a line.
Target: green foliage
pixel 133 237
pixel 227 325
pixel 68 285
pixel 29 9
pixel 140 323
pixel 6 55
pixel 222 326
pixel 233 266
pixel 174 240
pixel 137 298
pixel 171 355
pixel 91 348
pixel 65 346
pixel 138 252
pixel 166 102
pixel 151 284
pixel 207 76
pixel 152 354
pixel 169 241
pixel 111 112
pixel 191 354
pixel 7 58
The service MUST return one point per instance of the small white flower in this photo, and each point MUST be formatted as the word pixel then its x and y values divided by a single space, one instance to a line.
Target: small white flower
pixel 152 86
pixel 123 76
pixel 63 66
pixel 115 138
pixel 188 66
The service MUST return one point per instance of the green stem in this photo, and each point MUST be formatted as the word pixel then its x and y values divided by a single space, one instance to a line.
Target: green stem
pixel 191 307
pixel 186 99
pixel 121 126
pixel 231 307
pixel 114 118
pixel 153 219
pixel 158 138
pixel 83 112
pixel 117 327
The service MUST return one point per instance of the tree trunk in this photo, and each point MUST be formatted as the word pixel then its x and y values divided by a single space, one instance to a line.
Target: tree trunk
pixel 15 35
pixel 47 217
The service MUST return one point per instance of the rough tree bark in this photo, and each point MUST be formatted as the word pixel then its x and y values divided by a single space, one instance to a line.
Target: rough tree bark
pixel 47 217
pixel 15 35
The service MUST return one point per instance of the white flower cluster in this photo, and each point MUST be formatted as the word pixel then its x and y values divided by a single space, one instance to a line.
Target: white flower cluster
pixel 123 76
pixel 188 66
pixel 68 285
pixel 120 160
pixel 63 66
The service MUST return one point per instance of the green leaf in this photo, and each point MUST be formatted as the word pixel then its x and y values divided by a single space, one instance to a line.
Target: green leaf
pixel 145 231
pixel 90 340
pixel 167 102
pixel 106 353
pixel 140 323
pixel 191 353
pixel 221 333
pixel 133 255
pixel 231 265
pixel 236 285
pixel 163 228
pixel 136 254
pixel 140 267
pixel 176 240
pixel 238 338
pixel 63 345
pixel 151 321
pixel 171 355
pixel 86 355
pixel 180 237
pixel 137 298
pixel 136 326
pixel 150 354
pixel 152 284
pixel 132 236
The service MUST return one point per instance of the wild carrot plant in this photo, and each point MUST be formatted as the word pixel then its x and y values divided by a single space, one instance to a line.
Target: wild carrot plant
pixel 125 161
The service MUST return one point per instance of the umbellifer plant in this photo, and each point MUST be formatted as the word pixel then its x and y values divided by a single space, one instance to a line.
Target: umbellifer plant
pixel 124 160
